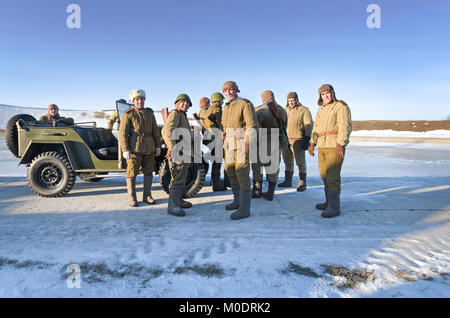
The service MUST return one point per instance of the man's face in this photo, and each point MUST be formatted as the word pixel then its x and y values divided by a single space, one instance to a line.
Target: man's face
pixel 183 105
pixel 327 97
pixel 218 103
pixel 230 94
pixel 139 102
pixel 292 102
pixel 53 111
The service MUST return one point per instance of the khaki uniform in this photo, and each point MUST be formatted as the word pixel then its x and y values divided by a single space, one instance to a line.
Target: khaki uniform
pixel 64 120
pixel 216 112
pixel 178 170
pixel 203 115
pixel 266 119
pixel 333 124
pixel 139 134
pixel 112 119
pixel 299 125
pixel 239 124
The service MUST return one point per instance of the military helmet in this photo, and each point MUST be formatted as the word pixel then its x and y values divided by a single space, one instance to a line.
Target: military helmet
pixel 217 97
pixel 183 97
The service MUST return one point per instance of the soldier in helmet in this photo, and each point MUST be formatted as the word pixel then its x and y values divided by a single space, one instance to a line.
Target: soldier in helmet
pixel 269 116
pixel 140 142
pixel 213 121
pixel 239 131
pixel 114 117
pixel 178 167
pixel 299 129
pixel 53 116
pixel 331 133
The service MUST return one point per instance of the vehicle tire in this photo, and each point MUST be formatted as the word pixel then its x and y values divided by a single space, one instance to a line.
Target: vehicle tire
pixel 50 175
pixel 194 180
pixel 11 135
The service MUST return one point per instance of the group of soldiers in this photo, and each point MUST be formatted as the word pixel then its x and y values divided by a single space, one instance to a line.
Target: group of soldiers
pixel 240 125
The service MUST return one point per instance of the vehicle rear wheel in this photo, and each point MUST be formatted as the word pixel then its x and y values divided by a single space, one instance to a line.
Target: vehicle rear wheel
pixel 194 180
pixel 11 136
pixel 50 175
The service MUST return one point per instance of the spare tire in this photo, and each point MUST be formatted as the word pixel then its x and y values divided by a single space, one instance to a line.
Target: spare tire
pixel 11 135
pixel 194 180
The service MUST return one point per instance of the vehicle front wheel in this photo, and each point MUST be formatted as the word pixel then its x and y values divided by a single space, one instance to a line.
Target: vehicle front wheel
pixel 50 175
pixel 194 180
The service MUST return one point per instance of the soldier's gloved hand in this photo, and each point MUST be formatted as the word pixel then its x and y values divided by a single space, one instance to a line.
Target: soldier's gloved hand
pixel 339 151
pixel 126 155
pixel 305 142
pixel 157 152
pixel 311 149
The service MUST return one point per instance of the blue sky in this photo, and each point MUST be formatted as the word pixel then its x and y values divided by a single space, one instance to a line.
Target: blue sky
pixel 400 71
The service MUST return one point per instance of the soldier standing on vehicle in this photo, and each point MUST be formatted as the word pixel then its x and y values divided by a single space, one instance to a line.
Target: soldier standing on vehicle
pixel 114 116
pixel 239 130
pixel 53 116
pixel 140 142
pixel 212 122
pixel 178 168
pixel 269 116
pixel 299 129
pixel 331 133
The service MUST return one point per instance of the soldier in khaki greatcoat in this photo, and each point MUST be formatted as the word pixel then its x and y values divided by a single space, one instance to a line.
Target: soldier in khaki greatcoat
pixel 213 120
pixel 53 115
pixel 140 141
pixel 239 130
pixel 177 119
pixel 331 133
pixel 269 116
pixel 299 127
pixel 204 105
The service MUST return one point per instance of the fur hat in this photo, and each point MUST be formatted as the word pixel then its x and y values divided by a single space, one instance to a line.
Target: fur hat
pixel 204 102
pixel 267 96
pixel 325 88
pixel 137 93
pixel 294 96
pixel 230 84
pixel 52 106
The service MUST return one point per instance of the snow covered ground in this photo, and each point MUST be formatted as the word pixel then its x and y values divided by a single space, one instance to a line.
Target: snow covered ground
pixel 391 240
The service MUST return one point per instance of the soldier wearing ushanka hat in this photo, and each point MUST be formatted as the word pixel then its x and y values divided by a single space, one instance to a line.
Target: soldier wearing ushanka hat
pixel 331 133
pixel 140 142
pixel 299 127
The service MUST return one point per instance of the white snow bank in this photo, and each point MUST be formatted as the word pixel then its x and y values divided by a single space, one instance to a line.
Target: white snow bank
pixel 407 134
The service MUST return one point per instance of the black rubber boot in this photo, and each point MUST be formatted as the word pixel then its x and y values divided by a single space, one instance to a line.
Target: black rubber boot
pixel 334 205
pixel 245 199
pixel 301 182
pixel 217 184
pixel 174 197
pixel 287 179
pixel 235 204
pixel 257 189
pixel 270 192
pixel 323 206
